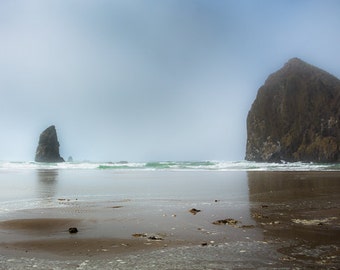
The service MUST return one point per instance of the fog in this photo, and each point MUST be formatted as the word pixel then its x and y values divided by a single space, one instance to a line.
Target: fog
pixel 149 80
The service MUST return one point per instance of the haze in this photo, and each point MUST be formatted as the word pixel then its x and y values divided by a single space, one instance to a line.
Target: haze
pixel 149 80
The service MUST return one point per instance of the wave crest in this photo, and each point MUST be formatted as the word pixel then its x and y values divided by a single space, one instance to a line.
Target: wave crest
pixel 174 165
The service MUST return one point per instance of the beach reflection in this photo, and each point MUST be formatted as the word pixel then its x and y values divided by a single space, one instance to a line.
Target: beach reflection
pixel 273 187
pixel 299 211
pixel 47 181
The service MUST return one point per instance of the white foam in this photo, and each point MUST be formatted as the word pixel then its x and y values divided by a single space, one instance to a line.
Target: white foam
pixel 178 166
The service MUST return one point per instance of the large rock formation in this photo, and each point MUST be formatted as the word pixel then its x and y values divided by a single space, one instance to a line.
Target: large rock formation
pixel 295 116
pixel 48 147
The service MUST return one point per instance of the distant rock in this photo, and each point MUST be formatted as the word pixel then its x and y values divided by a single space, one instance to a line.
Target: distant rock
pixel 48 147
pixel 70 159
pixel 295 116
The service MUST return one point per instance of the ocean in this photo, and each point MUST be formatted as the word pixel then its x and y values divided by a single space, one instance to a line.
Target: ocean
pixel 25 184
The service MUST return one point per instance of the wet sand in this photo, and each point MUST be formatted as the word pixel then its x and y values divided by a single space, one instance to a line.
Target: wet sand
pixel 105 230
pixel 300 213
pixel 284 220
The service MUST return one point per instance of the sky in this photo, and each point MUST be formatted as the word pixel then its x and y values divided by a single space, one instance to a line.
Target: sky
pixel 149 80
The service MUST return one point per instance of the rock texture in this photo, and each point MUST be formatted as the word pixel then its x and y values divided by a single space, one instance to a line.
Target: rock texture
pixel 48 147
pixel 295 116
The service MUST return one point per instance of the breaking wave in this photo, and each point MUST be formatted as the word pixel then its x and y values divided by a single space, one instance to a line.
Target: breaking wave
pixel 175 165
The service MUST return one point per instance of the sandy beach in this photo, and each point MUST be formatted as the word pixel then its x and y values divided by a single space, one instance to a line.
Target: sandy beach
pixel 238 220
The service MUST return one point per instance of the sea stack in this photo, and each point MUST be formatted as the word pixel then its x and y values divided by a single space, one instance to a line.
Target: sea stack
pixel 295 116
pixel 48 147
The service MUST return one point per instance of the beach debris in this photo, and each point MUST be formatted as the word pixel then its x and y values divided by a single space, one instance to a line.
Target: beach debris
pixel 259 216
pixel 210 243
pixel 64 200
pixel 264 206
pixel 247 226
pixel 204 231
pixel 276 222
pixel 287 259
pixel 318 222
pixel 155 238
pixel 73 230
pixel 194 211
pixel 138 235
pixel 116 207
pixel 227 221
pixel 151 237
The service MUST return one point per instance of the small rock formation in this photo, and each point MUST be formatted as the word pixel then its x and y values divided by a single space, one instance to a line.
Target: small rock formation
pixel 48 147
pixel 228 221
pixel 194 211
pixel 73 230
pixel 139 235
pixel 152 237
pixel 295 116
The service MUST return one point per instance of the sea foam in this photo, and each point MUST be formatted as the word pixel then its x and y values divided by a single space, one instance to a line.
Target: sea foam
pixel 173 165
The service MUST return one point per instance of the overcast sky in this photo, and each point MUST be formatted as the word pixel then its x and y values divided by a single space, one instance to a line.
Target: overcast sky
pixel 149 80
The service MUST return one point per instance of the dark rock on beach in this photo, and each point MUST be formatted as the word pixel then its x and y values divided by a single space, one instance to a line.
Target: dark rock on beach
pixel 194 211
pixel 228 221
pixel 144 235
pixel 73 230
pixel 156 238
pixel 48 147
pixel 295 116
